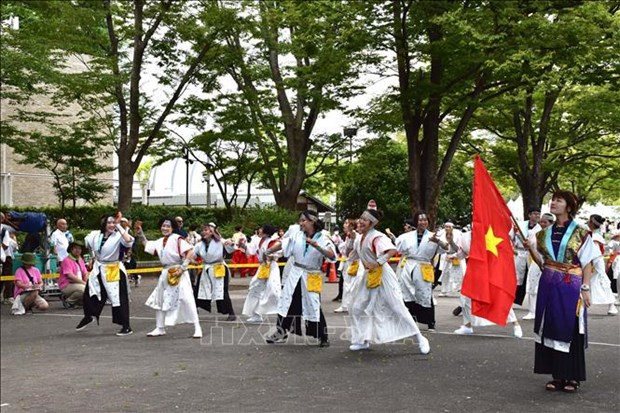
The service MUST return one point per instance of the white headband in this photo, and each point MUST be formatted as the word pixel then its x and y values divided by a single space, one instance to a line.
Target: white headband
pixel 310 217
pixel 167 221
pixel 367 215
pixel 110 220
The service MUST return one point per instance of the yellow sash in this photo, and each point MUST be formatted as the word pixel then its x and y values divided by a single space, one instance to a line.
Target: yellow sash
pixel 352 270
pixel 456 262
pixel 174 276
pixel 263 272
pixel 403 262
pixel 428 274
pixel 219 271
pixel 112 272
pixel 374 277
pixel 315 282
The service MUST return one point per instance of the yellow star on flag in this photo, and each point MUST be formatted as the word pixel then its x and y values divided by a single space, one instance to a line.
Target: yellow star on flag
pixel 492 241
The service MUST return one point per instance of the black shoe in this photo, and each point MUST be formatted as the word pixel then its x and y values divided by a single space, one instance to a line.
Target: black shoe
pixel 457 311
pixel 276 338
pixel 125 331
pixel 231 317
pixel 85 321
pixel 324 343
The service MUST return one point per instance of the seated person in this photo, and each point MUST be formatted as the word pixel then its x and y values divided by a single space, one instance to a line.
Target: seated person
pixel 28 283
pixel 73 275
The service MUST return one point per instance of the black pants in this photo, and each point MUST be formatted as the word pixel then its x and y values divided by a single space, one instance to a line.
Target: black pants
pixel 340 285
pixel 93 306
pixel 7 269
pixel 422 314
pixel 293 320
pixel 224 306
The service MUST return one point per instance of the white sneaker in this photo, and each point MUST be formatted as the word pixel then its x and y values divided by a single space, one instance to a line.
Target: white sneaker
pixel 612 310
pixel 443 294
pixel 517 331
pixel 529 316
pixel 359 346
pixel 464 330
pixel 341 309
pixel 424 345
pixel 157 332
pixel 255 319
pixel 197 333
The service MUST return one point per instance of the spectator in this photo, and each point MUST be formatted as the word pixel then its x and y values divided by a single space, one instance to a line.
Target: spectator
pixel 28 283
pixel 60 241
pixel 180 230
pixel 73 275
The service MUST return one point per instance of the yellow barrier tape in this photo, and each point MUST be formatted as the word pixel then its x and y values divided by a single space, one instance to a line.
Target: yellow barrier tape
pixel 159 269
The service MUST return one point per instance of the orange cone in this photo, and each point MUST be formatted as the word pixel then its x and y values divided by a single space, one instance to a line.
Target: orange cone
pixel 332 278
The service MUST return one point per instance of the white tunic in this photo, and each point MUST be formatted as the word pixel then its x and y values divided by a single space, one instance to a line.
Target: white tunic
pixel 211 288
pixel 178 300
pixel 106 253
pixel 378 315
pixel 454 266
pixel 306 259
pixel 349 281
pixel 522 258
pixel 59 240
pixel 600 285
pixel 614 246
pixel 413 286
pixel 264 294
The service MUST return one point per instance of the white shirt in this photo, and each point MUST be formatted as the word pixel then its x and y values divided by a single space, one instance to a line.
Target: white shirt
pixel 110 251
pixel 60 243
pixel 8 241
pixel 172 253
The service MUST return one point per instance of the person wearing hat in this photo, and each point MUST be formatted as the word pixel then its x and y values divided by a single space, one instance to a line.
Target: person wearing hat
pixel 28 283
pixel 73 275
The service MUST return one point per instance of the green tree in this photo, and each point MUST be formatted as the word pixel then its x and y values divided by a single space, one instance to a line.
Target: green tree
pixel 123 47
pixel 556 128
pixel 291 62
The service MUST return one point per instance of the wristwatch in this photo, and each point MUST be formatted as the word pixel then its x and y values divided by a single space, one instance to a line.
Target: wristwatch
pixel 585 287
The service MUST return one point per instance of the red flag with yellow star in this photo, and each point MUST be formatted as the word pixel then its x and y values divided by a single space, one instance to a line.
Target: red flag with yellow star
pixel 490 280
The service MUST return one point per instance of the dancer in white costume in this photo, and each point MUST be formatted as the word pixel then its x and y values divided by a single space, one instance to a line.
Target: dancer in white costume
pixel 264 289
pixel 470 320
pixel 534 272
pixel 600 284
pixel 350 278
pixel 215 276
pixel 172 297
pixel 419 248
pixel 453 266
pixel 522 257
pixel 378 312
pixel 614 250
pixel 300 298
pixel 108 279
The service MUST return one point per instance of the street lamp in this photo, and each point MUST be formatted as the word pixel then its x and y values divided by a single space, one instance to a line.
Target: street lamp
pixel 187 162
pixel 350 133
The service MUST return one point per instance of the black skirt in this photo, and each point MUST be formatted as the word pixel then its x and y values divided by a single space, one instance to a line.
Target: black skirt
pixel 563 366
pixel 224 306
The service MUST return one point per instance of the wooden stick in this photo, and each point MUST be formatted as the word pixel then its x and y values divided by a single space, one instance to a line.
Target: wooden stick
pixel 523 238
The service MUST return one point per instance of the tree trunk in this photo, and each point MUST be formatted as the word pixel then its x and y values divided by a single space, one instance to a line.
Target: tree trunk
pixel 126 170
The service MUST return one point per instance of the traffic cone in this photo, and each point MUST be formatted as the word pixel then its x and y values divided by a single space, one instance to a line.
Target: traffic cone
pixel 332 278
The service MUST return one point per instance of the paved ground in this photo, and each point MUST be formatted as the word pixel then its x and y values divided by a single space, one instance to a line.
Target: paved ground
pixel 47 366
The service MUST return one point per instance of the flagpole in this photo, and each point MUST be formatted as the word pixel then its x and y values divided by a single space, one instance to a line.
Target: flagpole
pixel 523 238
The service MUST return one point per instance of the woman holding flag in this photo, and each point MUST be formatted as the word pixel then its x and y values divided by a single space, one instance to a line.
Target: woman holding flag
pixel 566 252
